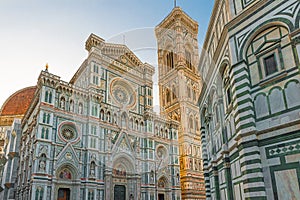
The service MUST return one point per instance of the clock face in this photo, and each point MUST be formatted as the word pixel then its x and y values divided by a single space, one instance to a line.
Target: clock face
pixel 122 92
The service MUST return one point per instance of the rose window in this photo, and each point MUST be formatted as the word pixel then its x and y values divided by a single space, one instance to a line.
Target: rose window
pixel 122 92
pixel 68 134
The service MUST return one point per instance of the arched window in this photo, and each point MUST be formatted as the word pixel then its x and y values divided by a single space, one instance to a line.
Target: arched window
pixel 50 97
pixel 46 96
pixel 174 92
pixel 136 124
pixel 197 124
pixel 142 126
pixel 170 61
pixel 91 195
pixel 188 59
pixel 191 126
pixel 44 118
pixel 39 193
pixel 102 115
pixel 188 91
pixel 264 53
pixel 43 133
pixel 168 96
pixel 194 95
pixel 108 117
pixel 47 134
pixel 48 119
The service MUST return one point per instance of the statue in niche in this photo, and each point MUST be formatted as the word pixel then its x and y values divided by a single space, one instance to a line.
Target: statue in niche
pixel 42 163
pixel 152 176
pixel 80 108
pixel 138 146
pixel 62 103
pixel 93 166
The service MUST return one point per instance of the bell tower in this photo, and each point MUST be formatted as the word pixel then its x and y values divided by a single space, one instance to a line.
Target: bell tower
pixel 179 87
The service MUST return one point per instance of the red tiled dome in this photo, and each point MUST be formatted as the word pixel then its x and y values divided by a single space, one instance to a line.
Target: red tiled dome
pixel 18 103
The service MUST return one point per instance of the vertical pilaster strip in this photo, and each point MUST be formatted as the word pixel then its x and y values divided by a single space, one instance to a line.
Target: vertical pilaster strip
pixel 228 178
pixel 243 107
pixel 216 180
pixel 205 164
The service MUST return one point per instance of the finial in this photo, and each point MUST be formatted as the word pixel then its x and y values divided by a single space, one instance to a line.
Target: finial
pixel 175 4
pixel 47 67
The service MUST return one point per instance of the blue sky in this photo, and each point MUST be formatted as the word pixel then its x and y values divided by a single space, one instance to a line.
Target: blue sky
pixel 36 32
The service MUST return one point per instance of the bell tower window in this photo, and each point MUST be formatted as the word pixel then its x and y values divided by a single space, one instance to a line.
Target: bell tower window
pixel 170 61
pixel 188 59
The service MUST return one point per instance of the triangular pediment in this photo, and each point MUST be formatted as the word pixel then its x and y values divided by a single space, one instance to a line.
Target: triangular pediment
pixel 122 54
pixel 67 154
pixel 123 144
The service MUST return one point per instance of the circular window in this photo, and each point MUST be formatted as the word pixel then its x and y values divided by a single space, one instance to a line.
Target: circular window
pixel 121 95
pixel 68 132
pixel 122 92
pixel 161 152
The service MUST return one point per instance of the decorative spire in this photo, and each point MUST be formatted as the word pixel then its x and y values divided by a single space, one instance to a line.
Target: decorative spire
pixel 175 4
pixel 46 67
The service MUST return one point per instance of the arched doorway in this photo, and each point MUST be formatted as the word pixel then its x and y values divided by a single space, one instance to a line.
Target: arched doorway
pixel 125 181
pixel 66 183
pixel 162 185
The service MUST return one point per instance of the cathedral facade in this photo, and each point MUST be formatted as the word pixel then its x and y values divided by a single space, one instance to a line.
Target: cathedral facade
pixel 97 137
pixel 250 100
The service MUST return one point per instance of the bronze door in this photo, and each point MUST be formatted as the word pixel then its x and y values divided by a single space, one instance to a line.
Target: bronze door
pixel 63 194
pixel 119 192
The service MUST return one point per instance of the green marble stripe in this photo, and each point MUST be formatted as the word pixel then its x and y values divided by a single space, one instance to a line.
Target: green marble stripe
pixel 249 108
pixel 249 162
pixel 237 80
pixel 280 138
pixel 256 198
pixel 239 71
pixel 254 189
pixel 248 144
pixel 255 152
pixel 278 113
pixel 254 180
pixel 247 100
pixel 246 84
pixel 250 171
pixel 247 92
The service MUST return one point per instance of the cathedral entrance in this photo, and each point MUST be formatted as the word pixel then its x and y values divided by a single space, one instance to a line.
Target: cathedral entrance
pixel 119 192
pixel 161 197
pixel 63 194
